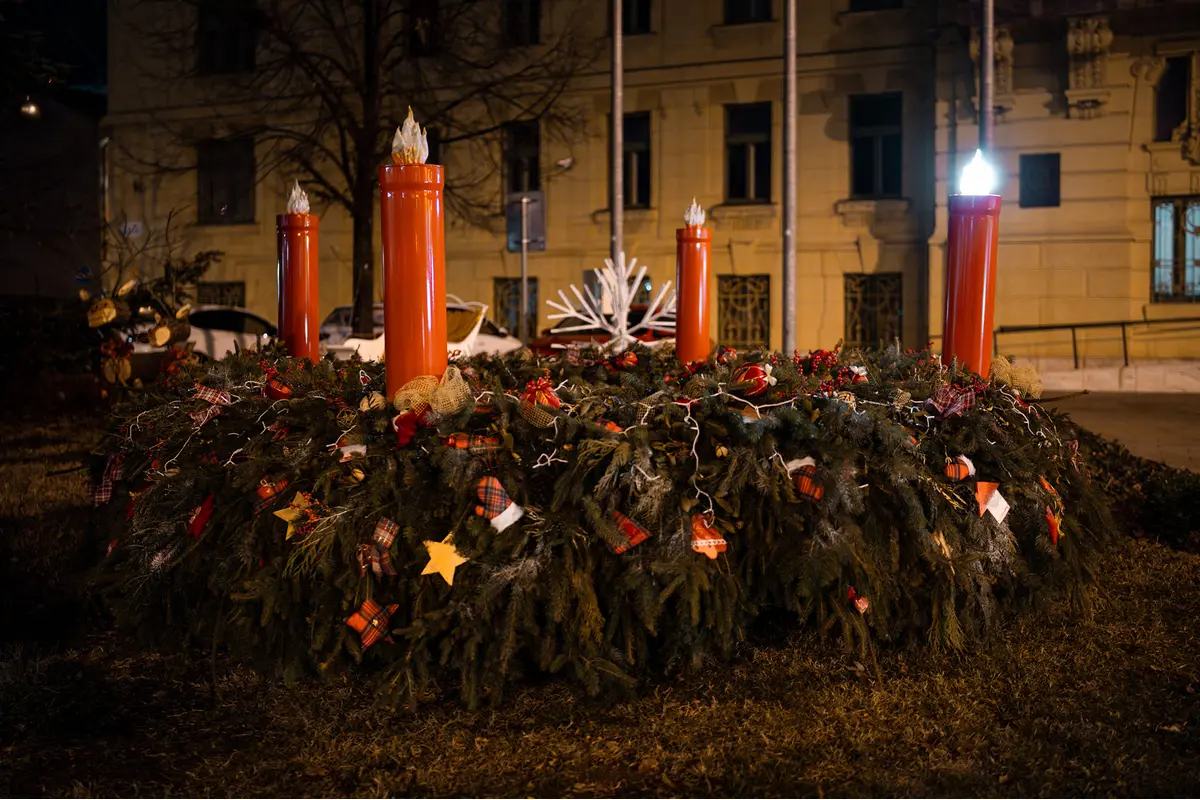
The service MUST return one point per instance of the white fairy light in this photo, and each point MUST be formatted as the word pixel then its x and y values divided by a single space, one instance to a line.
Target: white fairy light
pixel 978 177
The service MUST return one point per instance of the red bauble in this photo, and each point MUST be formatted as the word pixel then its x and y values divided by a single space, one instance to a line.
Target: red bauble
pixel 753 379
pixel 405 426
pixel 277 389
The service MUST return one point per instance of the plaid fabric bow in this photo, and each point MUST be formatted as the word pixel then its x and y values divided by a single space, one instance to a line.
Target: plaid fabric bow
pixel 217 399
pixel 114 470
pixel 377 553
pixel 634 533
pixel 948 401
pixel 495 504
pixel 371 621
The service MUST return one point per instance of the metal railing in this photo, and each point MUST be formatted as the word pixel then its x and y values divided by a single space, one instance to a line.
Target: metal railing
pixel 1124 325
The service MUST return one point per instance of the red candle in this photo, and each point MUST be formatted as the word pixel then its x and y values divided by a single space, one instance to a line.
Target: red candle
pixel 693 252
pixel 971 281
pixel 299 325
pixel 414 263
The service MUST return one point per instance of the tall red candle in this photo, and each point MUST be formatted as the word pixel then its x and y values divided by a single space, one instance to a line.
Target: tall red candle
pixel 971 244
pixel 414 272
pixel 299 325
pixel 693 252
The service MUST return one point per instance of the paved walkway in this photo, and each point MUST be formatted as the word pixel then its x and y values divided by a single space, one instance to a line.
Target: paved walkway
pixel 1164 427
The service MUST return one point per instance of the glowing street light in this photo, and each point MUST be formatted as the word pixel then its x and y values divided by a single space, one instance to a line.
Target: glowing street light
pixel 30 109
pixel 978 177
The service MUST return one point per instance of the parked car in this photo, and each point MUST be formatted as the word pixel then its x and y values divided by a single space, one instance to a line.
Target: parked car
pixel 468 332
pixel 216 330
pixel 553 340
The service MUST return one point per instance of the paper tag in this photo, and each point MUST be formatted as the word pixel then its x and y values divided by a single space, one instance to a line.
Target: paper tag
pixel 998 506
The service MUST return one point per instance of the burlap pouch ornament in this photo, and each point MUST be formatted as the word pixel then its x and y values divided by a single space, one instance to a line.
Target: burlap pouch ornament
pixel 1023 379
pixel 537 402
pixel 425 392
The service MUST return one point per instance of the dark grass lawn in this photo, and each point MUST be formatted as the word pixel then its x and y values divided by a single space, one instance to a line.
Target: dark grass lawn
pixel 1048 707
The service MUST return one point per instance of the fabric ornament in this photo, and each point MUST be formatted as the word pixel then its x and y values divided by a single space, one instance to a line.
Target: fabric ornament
pixel 268 492
pixel 495 504
pixel 371 620
pixel 803 472
pixel 627 360
pixel 217 400
pixel 375 401
pixel 1054 511
pixel 101 313
pixel 861 604
pixel 634 533
pixel 444 558
pixel 959 468
pixel 405 426
pixel 849 398
pixel 474 444
pixel 114 470
pixel 859 373
pixel 276 389
pixel 987 494
pixel 726 355
pixel 425 393
pixel 705 538
pixel 377 554
pixel 948 401
pixel 201 514
pixel 610 426
pixel 1023 380
pixel 539 396
pixel 753 379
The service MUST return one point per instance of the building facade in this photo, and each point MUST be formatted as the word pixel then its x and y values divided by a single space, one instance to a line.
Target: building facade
pixel 1097 139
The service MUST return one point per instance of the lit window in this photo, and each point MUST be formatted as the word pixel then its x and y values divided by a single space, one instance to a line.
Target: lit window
pixel 1175 273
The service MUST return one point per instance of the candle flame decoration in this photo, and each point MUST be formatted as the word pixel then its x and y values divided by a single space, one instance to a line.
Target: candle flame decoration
pixel 978 177
pixel 297 200
pixel 694 216
pixel 410 145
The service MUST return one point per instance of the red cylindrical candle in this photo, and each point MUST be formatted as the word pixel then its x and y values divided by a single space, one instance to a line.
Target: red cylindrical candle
pixel 414 272
pixel 971 281
pixel 299 325
pixel 693 252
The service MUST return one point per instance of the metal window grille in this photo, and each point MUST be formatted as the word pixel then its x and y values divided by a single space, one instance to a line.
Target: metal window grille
pixel 874 306
pixel 744 310
pixel 1175 268
pixel 506 292
pixel 221 293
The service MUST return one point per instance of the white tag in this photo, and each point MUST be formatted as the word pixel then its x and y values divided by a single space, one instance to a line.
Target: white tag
pixel 998 506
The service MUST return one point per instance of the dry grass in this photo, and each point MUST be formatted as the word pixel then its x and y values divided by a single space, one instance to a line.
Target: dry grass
pixel 1049 707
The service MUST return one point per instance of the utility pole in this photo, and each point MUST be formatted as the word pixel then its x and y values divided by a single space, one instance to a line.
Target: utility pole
pixel 987 76
pixel 523 317
pixel 618 136
pixel 789 177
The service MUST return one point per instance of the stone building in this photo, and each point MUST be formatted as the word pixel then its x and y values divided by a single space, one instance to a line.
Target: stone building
pixel 1097 141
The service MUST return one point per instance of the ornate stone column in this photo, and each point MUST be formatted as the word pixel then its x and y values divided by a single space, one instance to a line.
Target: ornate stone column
pixel 1088 41
pixel 1003 52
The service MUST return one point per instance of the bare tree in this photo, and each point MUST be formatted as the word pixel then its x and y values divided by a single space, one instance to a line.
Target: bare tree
pixel 322 85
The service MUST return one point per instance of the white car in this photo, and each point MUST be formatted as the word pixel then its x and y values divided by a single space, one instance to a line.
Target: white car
pixel 217 330
pixel 468 332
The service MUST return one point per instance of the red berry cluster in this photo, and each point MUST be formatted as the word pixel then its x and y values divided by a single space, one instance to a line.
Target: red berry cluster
pixel 818 362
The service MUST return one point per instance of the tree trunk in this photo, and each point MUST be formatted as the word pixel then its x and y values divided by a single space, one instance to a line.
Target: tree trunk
pixel 363 309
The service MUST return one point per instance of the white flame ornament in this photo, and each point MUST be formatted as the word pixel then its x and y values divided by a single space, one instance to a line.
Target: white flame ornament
pixel 619 284
pixel 297 200
pixel 694 216
pixel 410 145
pixel 978 177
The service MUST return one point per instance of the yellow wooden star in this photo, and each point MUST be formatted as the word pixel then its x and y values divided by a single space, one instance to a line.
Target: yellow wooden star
pixel 443 559
pixel 293 512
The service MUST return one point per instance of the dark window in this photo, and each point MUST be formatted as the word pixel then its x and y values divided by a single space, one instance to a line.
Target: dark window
pixel 1171 98
pixel 875 5
pixel 507 296
pixel 226 37
pixel 744 310
pixel 873 309
pixel 739 12
pixel 225 181
pixel 522 21
pixel 636 151
pixel 522 156
pixel 876 154
pixel 1040 180
pixel 748 153
pixel 635 17
pixel 424 22
pixel 1175 269
pixel 221 293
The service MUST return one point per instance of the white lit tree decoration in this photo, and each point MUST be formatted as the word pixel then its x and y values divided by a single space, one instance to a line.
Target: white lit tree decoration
pixel 619 284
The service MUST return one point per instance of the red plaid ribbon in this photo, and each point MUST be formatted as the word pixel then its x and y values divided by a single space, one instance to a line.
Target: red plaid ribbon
pixel 371 621
pixel 633 532
pixel 948 401
pixel 114 470
pixel 492 496
pixel 217 400
pixel 377 553
pixel 474 443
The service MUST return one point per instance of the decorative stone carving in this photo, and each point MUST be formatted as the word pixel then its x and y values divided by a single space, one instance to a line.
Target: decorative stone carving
pixel 1003 59
pixel 1149 69
pixel 1088 41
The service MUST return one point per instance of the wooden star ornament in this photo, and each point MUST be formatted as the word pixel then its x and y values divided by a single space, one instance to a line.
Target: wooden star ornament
pixel 444 558
pixel 293 512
